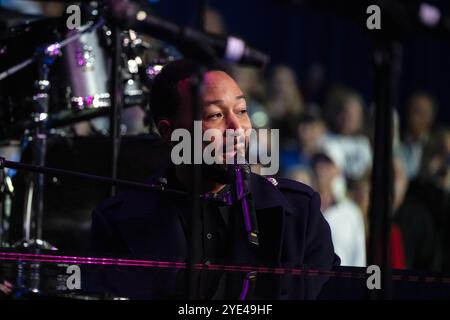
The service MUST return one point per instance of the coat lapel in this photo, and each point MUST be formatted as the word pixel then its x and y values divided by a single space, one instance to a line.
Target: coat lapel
pixel 272 212
pixel 147 229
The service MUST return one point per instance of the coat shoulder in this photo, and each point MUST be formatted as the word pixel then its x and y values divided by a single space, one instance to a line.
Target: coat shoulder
pixel 288 185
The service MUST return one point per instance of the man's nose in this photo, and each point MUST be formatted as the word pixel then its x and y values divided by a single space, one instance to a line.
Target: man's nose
pixel 233 122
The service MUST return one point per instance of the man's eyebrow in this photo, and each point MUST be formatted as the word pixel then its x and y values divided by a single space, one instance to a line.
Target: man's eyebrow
pixel 220 101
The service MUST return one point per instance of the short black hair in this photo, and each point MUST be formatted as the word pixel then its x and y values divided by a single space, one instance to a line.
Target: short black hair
pixel 164 96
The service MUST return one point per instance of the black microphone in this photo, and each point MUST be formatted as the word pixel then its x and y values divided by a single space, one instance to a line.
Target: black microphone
pixel 239 175
pixel 131 15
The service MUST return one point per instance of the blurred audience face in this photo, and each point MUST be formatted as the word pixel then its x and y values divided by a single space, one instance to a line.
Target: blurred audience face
pixel 325 172
pixel 284 93
pixel 446 142
pixel 436 159
pixel 350 119
pixel 249 80
pixel 420 116
pixel 361 196
pixel 214 22
pixel 301 175
pixel 310 135
pixel 284 82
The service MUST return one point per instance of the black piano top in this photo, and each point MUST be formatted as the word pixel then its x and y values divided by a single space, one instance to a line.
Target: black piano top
pixel 50 274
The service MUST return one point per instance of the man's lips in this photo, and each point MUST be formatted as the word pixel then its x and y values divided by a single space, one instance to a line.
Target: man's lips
pixel 235 155
pixel 240 147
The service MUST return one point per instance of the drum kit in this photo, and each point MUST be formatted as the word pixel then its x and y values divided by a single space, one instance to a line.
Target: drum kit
pixel 56 82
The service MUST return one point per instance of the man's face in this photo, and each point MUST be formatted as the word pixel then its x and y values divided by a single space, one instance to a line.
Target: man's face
pixel 223 106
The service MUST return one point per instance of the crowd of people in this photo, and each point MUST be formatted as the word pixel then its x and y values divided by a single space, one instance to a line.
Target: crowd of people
pixel 329 147
pixel 326 137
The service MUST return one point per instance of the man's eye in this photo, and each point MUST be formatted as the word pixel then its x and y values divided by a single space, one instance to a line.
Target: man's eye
pixel 243 111
pixel 214 116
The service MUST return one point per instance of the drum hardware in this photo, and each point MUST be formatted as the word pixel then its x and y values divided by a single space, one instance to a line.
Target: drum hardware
pixel 6 194
pixel 66 118
pixel 12 150
pixel 34 202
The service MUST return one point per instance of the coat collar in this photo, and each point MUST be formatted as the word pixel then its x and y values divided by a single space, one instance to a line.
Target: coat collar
pixel 270 204
pixel 264 192
pixel 267 195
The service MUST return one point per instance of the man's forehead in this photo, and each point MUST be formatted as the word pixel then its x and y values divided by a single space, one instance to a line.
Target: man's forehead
pixel 215 82
pixel 215 77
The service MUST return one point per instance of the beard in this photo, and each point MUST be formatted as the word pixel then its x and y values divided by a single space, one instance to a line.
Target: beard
pixel 218 172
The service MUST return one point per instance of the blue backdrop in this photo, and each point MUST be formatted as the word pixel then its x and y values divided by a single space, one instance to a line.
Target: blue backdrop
pixel 300 37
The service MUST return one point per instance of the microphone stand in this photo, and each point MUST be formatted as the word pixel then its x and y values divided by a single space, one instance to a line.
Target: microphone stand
pixel 116 103
pixel 3 215
pixel 386 61
pixel 89 177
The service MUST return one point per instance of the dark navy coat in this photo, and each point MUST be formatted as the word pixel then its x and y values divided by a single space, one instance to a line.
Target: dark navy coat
pixel 293 231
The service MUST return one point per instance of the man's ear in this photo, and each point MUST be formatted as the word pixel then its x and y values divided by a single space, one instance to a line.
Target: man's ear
pixel 165 128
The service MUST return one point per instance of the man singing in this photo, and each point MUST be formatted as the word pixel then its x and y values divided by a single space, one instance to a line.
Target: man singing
pixel 291 228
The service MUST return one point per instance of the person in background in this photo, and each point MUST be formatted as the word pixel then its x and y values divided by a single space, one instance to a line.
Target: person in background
pixel 359 192
pixel 301 174
pixel 214 22
pixel 285 103
pixel 421 110
pixel 424 214
pixel 342 214
pixel 345 118
pixel 311 131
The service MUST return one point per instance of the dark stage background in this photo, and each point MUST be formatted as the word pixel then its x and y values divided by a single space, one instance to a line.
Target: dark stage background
pixel 303 38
